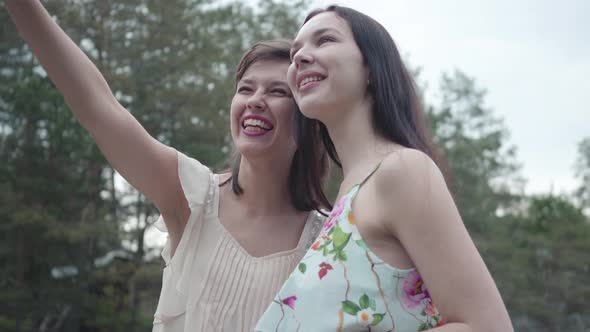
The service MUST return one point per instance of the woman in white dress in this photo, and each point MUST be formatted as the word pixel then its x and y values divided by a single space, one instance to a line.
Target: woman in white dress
pixel 233 238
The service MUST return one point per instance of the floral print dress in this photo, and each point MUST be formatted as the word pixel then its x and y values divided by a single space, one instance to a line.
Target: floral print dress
pixel 341 285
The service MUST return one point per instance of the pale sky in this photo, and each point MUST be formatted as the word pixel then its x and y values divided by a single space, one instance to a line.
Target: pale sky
pixel 532 56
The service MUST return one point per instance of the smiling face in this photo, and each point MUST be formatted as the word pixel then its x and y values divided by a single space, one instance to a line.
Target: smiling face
pixel 261 112
pixel 327 74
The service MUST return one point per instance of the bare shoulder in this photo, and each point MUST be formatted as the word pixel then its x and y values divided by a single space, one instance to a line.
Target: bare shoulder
pixel 409 185
pixel 408 171
pixel 224 177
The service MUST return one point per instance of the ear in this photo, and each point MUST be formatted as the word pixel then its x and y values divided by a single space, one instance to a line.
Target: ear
pixel 368 79
pixel 367 75
pixel 369 87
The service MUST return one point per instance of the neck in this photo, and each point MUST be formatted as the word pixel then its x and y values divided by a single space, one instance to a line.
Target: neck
pixel 358 146
pixel 266 187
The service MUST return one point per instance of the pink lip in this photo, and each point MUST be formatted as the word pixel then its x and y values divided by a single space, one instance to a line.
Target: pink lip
pixel 255 133
pixel 309 86
pixel 305 74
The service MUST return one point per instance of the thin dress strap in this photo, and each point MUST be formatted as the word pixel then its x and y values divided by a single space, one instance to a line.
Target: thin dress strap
pixel 353 190
pixel 372 172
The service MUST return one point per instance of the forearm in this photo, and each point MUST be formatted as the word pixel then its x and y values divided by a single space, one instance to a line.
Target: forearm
pixel 452 327
pixel 464 327
pixel 148 165
pixel 76 77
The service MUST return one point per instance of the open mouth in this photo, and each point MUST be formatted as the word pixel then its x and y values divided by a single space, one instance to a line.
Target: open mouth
pixel 310 79
pixel 256 125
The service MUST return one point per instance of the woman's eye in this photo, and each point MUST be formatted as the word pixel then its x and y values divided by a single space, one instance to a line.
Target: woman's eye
pixel 279 91
pixel 244 89
pixel 325 39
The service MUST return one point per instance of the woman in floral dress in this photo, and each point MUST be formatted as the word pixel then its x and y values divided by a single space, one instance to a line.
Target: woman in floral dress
pixel 394 254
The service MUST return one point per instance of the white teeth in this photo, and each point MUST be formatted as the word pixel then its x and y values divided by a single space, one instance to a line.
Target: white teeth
pixel 310 79
pixel 255 129
pixel 257 123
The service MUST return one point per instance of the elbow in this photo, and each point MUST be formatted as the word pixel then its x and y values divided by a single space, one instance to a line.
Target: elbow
pixel 488 323
pixel 494 324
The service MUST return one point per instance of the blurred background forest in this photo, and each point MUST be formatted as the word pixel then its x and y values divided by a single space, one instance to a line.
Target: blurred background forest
pixel 73 249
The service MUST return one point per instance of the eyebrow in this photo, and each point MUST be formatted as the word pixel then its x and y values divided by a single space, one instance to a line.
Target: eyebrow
pixel 321 31
pixel 273 83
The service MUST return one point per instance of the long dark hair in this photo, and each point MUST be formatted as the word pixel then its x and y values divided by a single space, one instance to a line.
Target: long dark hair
pixel 307 173
pixel 397 108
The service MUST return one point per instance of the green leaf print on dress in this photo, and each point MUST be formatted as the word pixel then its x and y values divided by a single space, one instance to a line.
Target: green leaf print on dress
pixel 364 311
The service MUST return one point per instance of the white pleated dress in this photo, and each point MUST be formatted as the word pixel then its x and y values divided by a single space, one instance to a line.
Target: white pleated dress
pixel 211 283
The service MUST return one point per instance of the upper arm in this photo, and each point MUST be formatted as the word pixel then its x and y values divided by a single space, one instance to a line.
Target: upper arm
pixel 429 227
pixel 143 161
pixel 148 165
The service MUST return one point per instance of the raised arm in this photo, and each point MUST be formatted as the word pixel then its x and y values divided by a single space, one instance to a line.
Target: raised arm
pixel 147 164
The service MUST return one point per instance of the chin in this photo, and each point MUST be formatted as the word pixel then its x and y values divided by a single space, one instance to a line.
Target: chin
pixel 251 150
pixel 264 152
pixel 315 111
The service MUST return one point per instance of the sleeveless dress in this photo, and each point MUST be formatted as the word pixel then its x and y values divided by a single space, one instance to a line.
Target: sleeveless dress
pixel 341 285
pixel 212 283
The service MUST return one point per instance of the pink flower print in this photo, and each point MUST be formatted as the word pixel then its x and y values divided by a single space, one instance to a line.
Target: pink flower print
pixel 337 211
pixel 324 267
pixel 328 224
pixel 431 310
pixel 333 217
pixel 414 290
pixel 290 301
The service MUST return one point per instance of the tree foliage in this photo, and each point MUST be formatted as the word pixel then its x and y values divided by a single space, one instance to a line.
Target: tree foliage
pixel 582 172
pixel 482 163
pixel 534 246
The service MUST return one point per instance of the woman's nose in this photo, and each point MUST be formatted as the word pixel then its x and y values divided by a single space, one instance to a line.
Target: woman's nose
pixel 302 57
pixel 256 101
